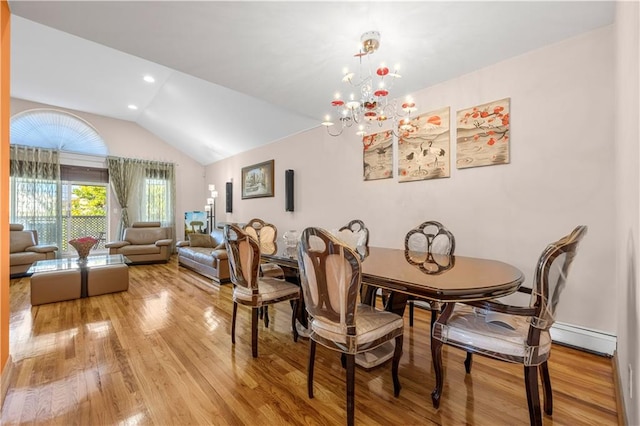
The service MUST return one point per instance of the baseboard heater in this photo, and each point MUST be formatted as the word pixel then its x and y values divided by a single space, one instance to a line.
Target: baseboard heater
pixel 583 338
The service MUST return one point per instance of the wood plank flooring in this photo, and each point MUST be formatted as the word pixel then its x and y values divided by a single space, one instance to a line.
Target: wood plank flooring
pixel 161 354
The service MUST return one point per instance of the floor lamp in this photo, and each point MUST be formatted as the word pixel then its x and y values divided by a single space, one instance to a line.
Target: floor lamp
pixel 210 208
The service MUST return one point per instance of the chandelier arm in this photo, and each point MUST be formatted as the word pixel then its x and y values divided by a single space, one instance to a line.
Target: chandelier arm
pixel 334 134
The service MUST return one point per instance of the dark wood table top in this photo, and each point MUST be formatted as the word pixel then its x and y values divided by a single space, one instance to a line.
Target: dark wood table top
pixel 435 277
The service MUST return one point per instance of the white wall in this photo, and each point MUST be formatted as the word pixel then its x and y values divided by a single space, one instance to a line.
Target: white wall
pixel 127 139
pixel 560 176
pixel 628 211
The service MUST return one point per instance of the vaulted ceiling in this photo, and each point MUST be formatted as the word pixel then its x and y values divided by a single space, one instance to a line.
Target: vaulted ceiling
pixel 231 76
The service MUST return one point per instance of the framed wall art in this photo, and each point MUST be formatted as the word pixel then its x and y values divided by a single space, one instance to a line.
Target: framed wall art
pixel 423 147
pixel 377 155
pixel 195 222
pixel 482 137
pixel 257 180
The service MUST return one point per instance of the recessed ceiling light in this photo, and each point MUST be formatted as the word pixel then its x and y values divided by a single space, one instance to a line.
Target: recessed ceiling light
pixel 133 107
pixel 149 79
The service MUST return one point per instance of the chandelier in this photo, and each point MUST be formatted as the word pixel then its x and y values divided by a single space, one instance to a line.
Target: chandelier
pixel 368 101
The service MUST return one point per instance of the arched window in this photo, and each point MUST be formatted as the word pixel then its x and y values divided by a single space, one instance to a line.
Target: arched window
pixel 55 129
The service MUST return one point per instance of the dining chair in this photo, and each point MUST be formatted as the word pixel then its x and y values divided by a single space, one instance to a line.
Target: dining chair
pixel 266 235
pixel 508 333
pixel 356 235
pixel 250 289
pixel 430 237
pixel 330 273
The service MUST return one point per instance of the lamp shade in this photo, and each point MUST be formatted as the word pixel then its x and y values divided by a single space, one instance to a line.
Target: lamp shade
pixel 212 187
pixel 209 200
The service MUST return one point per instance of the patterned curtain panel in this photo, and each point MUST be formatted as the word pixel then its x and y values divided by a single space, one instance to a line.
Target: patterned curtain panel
pixel 145 190
pixel 35 199
pixel 120 175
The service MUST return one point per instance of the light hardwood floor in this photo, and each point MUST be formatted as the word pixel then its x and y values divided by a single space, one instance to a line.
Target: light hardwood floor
pixel 161 354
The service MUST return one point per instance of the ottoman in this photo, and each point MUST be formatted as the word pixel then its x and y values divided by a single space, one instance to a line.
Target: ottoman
pixel 55 286
pixel 107 279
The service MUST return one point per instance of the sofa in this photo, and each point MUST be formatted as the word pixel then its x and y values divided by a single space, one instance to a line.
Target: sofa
pixel 144 242
pixel 206 254
pixel 24 250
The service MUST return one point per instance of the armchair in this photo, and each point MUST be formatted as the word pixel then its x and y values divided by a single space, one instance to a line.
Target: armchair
pixel 144 242
pixel 24 250
pixel 512 333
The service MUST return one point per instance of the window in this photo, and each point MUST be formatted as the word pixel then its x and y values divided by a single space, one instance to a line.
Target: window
pixel 157 196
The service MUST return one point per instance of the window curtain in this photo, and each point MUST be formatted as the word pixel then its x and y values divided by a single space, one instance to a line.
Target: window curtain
pixel 145 190
pixel 35 199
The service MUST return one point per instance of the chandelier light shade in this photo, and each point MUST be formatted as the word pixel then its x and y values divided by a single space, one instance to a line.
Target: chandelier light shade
pixel 368 102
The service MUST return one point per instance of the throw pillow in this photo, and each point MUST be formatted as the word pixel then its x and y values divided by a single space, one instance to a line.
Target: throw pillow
pixel 200 240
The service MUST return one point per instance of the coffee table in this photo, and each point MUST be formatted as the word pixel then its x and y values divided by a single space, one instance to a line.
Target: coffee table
pixel 56 280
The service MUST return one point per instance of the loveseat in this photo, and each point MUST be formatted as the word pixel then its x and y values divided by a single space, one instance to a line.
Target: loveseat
pixel 24 249
pixel 144 242
pixel 206 254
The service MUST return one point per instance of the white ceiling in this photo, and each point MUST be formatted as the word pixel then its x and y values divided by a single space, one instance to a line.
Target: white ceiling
pixel 231 76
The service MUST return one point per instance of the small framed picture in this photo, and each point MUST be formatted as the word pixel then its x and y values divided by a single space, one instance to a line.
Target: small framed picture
pixel 257 180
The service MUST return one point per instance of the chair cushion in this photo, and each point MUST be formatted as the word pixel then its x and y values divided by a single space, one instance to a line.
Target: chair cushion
pixel 371 324
pixel 25 258
pixel 270 290
pixel 469 327
pixel 139 249
pixel 144 235
pixel 20 240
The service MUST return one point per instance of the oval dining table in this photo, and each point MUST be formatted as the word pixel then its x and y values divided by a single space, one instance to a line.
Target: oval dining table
pixel 402 273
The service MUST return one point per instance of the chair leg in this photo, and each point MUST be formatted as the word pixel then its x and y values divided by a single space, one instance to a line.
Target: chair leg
pixel 266 315
pixel 411 313
pixel 351 385
pixel 254 332
pixel 533 397
pixel 546 386
pixel 468 362
pixel 233 323
pixel 312 357
pixel 436 356
pixel 294 315
pixel 394 367
pixel 343 360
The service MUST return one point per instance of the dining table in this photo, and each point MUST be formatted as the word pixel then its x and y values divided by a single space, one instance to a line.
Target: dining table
pixel 401 273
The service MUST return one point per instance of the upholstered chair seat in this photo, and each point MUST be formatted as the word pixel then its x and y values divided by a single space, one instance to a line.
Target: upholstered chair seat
pixel 506 335
pixel 271 290
pixel 372 325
